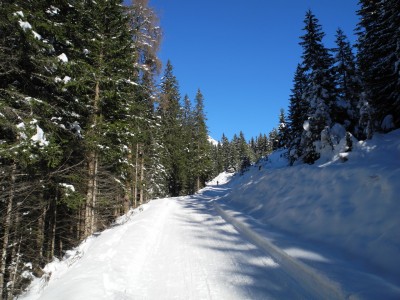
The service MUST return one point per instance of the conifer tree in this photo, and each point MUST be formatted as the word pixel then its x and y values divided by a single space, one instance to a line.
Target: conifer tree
pixel 272 140
pixel 103 66
pixel 28 144
pixel 171 120
pixel 347 83
pixel 319 90
pixel 283 131
pixel 188 142
pixel 378 59
pixel 298 108
pixel 145 143
pixel 225 153
pixel 245 156
pixel 202 164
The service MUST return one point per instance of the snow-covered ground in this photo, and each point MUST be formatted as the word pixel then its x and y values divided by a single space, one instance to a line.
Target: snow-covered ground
pixel 327 231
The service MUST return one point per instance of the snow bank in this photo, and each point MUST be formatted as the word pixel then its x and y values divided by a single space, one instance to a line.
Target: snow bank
pixel 92 252
pixel 352 205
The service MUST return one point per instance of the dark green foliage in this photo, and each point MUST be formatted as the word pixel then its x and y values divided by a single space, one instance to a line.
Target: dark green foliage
pixel 298 108
pixel 170 114
pixel 347 84
pixel 378 59
pixel 283 131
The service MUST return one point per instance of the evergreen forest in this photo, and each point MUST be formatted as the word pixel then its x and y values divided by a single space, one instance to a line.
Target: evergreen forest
pixel 92 124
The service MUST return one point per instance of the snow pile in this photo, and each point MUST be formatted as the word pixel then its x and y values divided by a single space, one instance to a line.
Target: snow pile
pixel 56 269
pixel 352 205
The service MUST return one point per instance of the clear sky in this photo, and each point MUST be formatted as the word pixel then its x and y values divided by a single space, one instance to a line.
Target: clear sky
pixel 243 54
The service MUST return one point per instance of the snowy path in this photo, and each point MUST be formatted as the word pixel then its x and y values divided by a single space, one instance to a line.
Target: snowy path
pixel 198 248
pixel 178 248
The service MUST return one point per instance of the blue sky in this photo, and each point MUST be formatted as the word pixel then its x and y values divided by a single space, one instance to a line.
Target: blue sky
pixel 243 54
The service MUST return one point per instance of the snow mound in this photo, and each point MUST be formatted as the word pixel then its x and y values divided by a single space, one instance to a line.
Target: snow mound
pixel 352 206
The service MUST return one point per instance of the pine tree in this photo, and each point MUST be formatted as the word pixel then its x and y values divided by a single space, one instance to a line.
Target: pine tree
pixel 103 65
pixel 216 159
pixel 347 83
pixel 202 145
pixel 262 146
pixel 245 156
pixel 272 141
pixel 283 131
pixel 188 142
pixel 147 171
pixel 298 108
pixel 378 59
pixel 225 153
pixel 171 120
pixel 28 145
pixel 320 90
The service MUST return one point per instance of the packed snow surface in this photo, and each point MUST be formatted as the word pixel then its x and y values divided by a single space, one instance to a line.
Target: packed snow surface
pixel 327 231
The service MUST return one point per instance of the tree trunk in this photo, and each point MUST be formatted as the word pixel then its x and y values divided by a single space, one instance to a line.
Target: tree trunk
pixel 141 175
pixel 53 229
pixel 40 234
pixel 92 171
pixel 135 190
pixel 89 227
pixel 6 228
pixel 128 197
pixel 15 271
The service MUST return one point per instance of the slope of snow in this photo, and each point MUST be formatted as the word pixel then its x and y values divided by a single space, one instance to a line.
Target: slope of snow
pixel 353 206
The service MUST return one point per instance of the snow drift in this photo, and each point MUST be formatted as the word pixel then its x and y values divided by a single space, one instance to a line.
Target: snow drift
pixel 353 205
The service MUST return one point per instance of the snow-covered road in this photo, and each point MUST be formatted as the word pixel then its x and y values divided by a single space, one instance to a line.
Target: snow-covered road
pixel 177 248
pixel 191 248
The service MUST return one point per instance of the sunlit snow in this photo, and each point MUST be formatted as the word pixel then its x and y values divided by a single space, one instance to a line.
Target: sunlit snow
pixel 24 25
pixel 39 137
pixel 62 57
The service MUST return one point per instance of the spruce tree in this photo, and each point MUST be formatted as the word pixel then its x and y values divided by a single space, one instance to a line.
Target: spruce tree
pixel 202 145
pixel 188 142
pixel 28 141
pixel 347 84
pixel 225 153
pixel 319 91
pixel 378 59
pixel 298 108
pixel 283 131
pixel 272 144
pixel 169 110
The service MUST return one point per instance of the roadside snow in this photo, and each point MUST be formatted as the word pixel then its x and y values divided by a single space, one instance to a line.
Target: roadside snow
pixel 353 206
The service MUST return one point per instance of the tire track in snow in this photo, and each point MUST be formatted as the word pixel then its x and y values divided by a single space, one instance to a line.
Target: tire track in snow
pixel 311 280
